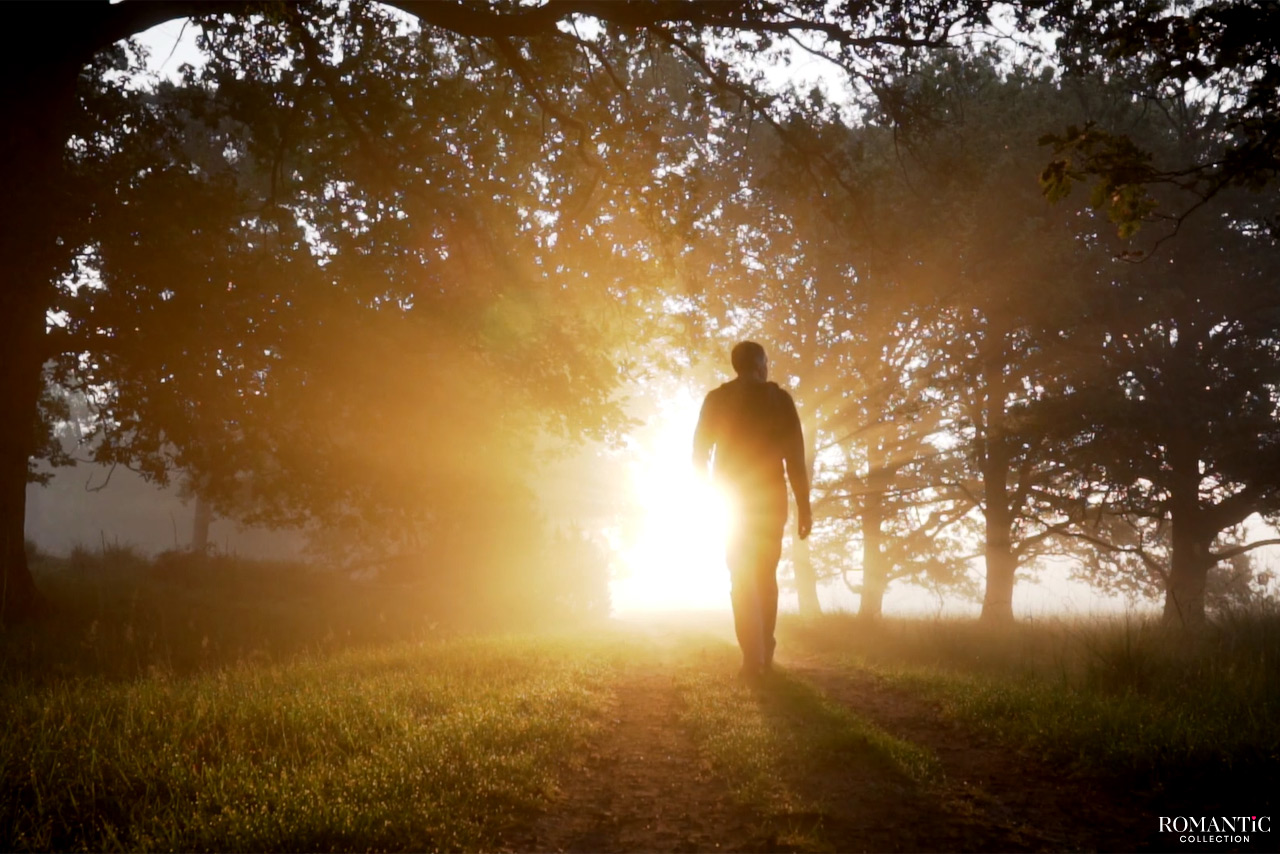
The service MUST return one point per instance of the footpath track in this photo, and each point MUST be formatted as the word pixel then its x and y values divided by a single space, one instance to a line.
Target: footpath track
pixel 645 785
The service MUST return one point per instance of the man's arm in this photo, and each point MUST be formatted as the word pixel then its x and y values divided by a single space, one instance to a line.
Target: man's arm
pixel 797 468
pixel 704 437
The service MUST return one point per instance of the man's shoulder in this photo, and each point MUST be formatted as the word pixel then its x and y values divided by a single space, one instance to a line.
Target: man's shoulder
pixel 716 399
pixel 725 389
pixel 781 394
pixel 738 396
pixel 733 386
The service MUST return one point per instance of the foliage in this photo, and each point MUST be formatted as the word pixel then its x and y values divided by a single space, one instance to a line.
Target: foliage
pixel 926 309
pixel 358 274
pixel 1178 430
pixel 351 321
pixel 122 614
pixel 1222 54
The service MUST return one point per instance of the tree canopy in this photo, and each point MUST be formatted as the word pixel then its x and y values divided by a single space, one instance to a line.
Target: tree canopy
pixel 368 265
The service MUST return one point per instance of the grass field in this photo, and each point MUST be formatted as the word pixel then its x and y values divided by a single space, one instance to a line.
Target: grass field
pixel 1119 695
pixel 266 709
pixel 415 746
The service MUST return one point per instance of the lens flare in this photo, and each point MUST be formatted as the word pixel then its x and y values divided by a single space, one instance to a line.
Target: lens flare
pixel 674 559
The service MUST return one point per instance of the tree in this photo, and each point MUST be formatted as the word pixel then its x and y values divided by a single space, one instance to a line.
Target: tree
pixel 40 230
pixel 1223 54
pixel 1186 423
pixel 1003 276
pixel 804 273
pixel 1173 436
pixel 376 362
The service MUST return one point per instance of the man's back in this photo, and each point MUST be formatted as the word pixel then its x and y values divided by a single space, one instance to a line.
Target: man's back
pixel 754 428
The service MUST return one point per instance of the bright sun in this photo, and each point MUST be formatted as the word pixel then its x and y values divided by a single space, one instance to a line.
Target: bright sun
pixel 674 558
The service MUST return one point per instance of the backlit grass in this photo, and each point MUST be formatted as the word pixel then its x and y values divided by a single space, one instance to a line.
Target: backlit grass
pixel 416 746
pixel 1126 696
pixel 260 708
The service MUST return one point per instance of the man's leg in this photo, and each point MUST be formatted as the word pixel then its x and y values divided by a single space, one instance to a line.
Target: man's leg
pixel 769 552
pixel 745 593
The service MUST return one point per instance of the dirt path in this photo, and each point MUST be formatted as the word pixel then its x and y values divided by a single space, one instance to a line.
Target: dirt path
pixel 644 786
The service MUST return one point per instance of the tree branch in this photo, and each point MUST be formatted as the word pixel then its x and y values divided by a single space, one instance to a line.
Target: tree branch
pixel 528 77
pixel 1150 562
pixel 479 19
pixel 1234 551
pixel 109 23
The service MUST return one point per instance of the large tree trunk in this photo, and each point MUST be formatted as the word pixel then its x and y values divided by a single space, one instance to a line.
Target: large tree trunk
pixel 1002 563
pixel 22 350
pixel 1189 557
pixel 997 601
pixel 875 573
pixel 1188 575
pixel 19 598
pixel 806 578
pixel 37 100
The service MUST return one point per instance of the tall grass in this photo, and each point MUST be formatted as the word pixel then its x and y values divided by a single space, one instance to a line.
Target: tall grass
pixel 1129 695
pixel 197 702
pixel 414 746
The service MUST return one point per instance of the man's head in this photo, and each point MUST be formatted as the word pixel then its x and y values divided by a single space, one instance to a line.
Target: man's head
pixel 749 361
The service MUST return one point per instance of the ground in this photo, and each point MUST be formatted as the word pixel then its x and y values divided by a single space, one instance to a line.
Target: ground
pixel 646 784
pixel 170 718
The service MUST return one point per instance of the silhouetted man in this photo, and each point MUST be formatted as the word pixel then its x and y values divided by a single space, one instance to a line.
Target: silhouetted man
pixel 752 426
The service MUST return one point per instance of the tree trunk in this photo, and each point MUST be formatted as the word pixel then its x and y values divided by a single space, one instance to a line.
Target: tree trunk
pixel 21 359
pixel 1189 558
pixel 1002 563
pixel 200 522
pixel 997 601
pixel 875 575
pixel 1188 575
pixel 19 598
pixel 37 100
pixel 806 578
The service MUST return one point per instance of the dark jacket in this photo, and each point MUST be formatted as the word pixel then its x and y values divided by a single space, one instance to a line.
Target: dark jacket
pixel 755 433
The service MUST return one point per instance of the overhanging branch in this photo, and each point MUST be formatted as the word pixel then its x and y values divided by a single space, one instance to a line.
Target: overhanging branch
pixel 1234 551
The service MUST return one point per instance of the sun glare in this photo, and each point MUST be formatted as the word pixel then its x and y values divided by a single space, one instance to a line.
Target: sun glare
pixel 674 557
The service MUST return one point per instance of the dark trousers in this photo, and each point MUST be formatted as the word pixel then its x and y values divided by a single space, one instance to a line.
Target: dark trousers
pixel 754 548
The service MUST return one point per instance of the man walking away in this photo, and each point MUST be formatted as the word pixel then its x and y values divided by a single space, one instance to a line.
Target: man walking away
pixel 753 429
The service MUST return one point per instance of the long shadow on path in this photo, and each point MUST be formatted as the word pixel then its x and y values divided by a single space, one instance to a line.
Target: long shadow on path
pixel 871 788
pixel 986 796
pixel 813 758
